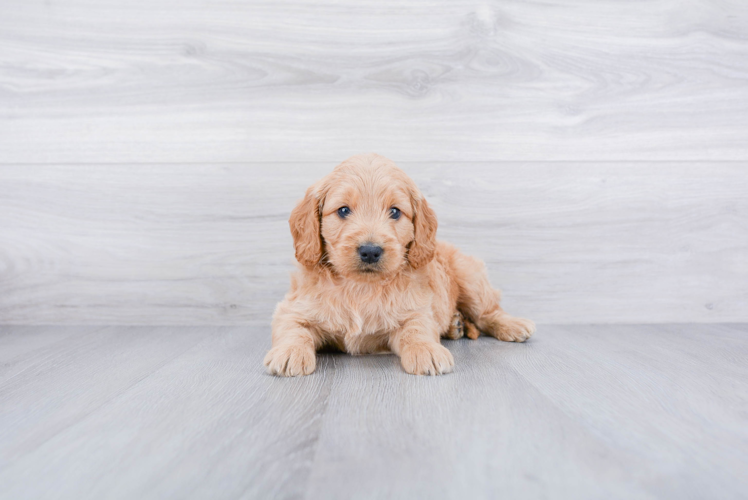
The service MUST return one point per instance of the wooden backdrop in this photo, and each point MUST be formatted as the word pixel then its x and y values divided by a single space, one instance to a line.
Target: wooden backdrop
pixel 593 152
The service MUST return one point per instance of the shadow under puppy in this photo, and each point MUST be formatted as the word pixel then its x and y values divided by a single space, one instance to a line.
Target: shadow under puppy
pixel 373 277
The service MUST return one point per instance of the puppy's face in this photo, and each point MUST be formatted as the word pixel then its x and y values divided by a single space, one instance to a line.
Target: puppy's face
pixel 366 219
pixel 367 224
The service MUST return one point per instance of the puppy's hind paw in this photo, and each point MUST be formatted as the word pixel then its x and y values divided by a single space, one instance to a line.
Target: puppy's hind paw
pixel 291 360
pixel 510 329
pixel 456 327
pixel 472 330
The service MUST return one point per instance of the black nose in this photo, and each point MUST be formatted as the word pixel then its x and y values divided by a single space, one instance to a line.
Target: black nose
pixel 370 253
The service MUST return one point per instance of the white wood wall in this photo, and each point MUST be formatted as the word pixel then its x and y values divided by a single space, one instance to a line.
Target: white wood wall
pixel 593 152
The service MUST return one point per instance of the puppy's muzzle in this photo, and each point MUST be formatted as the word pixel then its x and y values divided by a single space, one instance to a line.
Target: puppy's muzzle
pixel 370 254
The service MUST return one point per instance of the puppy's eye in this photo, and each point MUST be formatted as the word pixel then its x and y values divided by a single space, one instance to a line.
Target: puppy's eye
pixel 344 212
pixel 395 213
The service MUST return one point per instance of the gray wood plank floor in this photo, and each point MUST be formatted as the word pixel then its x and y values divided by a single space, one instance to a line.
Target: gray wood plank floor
pixel 636 411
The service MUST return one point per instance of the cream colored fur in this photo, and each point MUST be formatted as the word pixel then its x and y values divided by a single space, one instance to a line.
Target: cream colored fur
pixel 419 290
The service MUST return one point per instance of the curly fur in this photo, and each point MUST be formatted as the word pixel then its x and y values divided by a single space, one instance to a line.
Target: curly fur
pixel 420 290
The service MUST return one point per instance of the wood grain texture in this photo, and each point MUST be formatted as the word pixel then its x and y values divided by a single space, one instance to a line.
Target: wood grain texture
pixel 209 244
pixel 50 388
pixel 210 424
pixel 300 80
pixel 636 411
pixel 578 412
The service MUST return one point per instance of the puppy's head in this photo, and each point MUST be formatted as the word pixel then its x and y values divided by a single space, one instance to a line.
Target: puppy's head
pixel 366 219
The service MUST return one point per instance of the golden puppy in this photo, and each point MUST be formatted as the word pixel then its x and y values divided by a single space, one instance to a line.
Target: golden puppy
pixel 373 278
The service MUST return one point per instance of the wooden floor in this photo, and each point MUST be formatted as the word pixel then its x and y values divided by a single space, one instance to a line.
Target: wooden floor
pixel 636 411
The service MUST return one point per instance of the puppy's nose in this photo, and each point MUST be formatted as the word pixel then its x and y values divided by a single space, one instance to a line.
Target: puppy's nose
pixel 370 253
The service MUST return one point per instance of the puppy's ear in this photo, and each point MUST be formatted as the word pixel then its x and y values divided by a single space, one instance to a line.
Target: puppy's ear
pixel 304 222
pixel 424 242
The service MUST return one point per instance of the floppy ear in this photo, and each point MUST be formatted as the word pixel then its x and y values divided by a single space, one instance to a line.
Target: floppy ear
pixel 424 242
pixel 304 222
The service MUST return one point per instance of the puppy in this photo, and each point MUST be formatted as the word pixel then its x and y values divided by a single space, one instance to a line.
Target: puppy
pixel 373 278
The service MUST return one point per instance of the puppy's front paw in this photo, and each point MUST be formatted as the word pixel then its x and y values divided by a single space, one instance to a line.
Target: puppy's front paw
pixel 427 359
pixel 291 360
pixel 511 329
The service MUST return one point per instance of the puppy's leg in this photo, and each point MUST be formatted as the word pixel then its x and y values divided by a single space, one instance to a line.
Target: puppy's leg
pixel 417 344
pixel 459 327
pixel 479 302
pixel 294 347
pixel 472 330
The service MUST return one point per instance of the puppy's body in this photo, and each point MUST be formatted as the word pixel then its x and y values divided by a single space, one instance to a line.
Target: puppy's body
pixel 401 298
pixel 358 317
